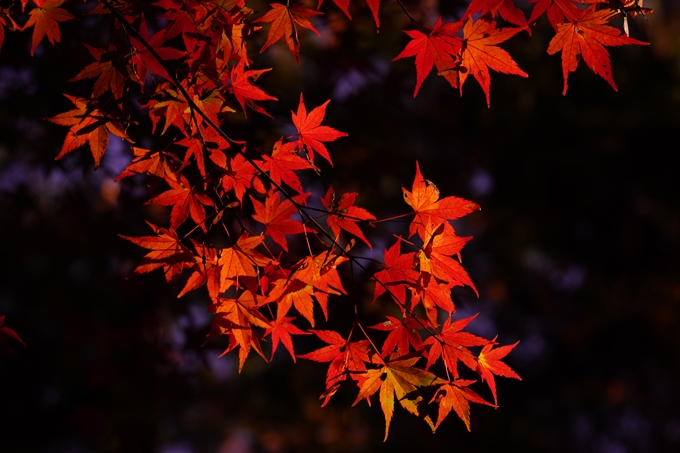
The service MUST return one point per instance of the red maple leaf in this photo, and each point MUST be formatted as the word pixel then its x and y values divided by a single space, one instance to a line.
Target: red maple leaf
pixel 284 21
pixel 489 363
pixel 143 59
pixel 311 134
pixel 281 330
pixel 206 271
pixel 558 11
pixel 239 82
pixel 241 175
pixel 185 201
pixel 397 275
pixel 424 199
pixel 347 359
pixel 282 164
pixel 110 76
pixel 275 215
pixel 403 335
pixel 587 37
pixel 452 345
pixel 505 8
pixel 45 18
pixel 342 215
pixel 439 48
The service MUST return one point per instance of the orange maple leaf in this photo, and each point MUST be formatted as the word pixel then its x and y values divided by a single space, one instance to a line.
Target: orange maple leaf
pixel 489 363
pixel 456 395
pixel 587 36
pixel 480 53
pixel 283 25
pixel 435 258
pixel 242 259
pixel 167 252
pixel 45 19
pixel 89 125
pixel 236 317
pixel 424 199
pixel 398 378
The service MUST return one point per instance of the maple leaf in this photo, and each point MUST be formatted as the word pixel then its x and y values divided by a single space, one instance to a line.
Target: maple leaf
pixel 320 271
pixel 505 8
pixel 439 48
pixel 185 201
pixel 288 293
pixel 558 11
pixel 166 103
pixel 342 215
pixel 587 36
pixel 45 19
pixel 107 71
pixel 403 335
pixel 242 258
pixel 275 215
pixel 398 377
pixel 424 199
pixel 167 252
pixel 281 330
pixel 348 358
pixel 435 256
pixel 160 164
pixel 452 345
pixel 143 60
pixel 206 271
pixel 489 363
pixel 237 318
pixel 241 175
pixel 456 395
pixel 311 134
pixel 89 125
pixel 432 293
pixel 282 164
pixel 284 21
pixel 239 83
pixel 480 53
pixel 397 275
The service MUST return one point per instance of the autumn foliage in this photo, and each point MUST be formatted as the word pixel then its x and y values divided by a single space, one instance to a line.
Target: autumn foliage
pixel 271 255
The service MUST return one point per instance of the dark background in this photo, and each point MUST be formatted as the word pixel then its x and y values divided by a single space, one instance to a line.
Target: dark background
pixel 575 254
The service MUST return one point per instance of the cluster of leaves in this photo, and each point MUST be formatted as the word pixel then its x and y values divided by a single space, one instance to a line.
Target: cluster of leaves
pixel 234 206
